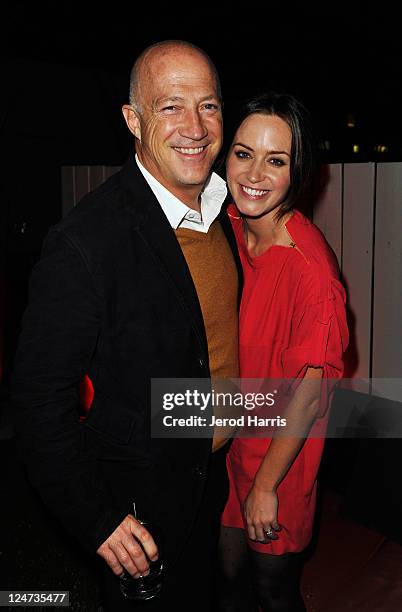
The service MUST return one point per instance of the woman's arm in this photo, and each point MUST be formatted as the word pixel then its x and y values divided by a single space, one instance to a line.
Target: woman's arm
pixel 261 505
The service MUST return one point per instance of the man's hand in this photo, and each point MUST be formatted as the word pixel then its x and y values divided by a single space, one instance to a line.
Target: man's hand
pixel 128 548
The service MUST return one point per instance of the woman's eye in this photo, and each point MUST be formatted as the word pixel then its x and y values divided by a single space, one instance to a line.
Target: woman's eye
pixel 242 154
pixel 277 162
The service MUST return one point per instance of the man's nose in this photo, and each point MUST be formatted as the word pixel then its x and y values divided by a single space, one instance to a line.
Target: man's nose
pixel 193 126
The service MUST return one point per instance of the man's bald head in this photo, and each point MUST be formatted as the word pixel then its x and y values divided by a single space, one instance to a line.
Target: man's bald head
pixel 141 72
pixel 175 115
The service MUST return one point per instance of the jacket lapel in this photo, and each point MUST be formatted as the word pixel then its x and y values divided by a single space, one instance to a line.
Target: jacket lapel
pixel 151 225
pixel 230 237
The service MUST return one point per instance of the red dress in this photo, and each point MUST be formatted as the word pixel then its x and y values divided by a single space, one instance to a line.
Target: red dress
pixel 292 316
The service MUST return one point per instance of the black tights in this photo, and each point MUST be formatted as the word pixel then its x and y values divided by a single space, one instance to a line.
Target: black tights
pixel 250 581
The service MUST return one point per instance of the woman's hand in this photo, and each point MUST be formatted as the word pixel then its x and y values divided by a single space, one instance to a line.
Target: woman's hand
pixel 261 512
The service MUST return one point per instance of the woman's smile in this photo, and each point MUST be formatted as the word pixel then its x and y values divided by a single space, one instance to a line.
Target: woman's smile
pixel 254 194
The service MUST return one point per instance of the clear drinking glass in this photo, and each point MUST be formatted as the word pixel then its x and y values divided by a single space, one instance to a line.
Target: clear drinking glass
pixel 145 587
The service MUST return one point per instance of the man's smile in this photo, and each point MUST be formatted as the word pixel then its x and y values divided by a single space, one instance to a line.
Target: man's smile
pixel 191 152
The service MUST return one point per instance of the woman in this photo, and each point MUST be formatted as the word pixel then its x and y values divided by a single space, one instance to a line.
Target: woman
pixel 293 326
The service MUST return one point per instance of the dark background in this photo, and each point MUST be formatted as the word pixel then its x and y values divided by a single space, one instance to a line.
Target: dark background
pixel 67 68
pixel 65 73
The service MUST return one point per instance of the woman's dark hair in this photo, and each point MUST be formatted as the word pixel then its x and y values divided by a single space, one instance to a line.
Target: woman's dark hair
pixel 302 155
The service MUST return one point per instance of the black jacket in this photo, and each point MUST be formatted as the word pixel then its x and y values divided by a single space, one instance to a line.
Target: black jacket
pixel 111 297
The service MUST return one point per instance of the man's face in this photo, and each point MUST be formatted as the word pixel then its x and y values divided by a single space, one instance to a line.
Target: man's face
pixel 179 127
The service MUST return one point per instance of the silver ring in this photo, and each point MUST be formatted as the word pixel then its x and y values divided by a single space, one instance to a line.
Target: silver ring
pixel 268 532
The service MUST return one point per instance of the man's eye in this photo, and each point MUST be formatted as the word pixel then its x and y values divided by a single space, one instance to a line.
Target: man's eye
pixel 211 106
pixel 242 154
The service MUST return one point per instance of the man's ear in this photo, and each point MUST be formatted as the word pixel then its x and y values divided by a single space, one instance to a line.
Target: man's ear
pixel 132 120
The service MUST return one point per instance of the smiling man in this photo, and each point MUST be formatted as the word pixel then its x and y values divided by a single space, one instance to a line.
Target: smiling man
pixel 140 281
pixel 176 118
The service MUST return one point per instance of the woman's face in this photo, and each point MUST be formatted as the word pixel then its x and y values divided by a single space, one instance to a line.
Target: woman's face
pixel 258 164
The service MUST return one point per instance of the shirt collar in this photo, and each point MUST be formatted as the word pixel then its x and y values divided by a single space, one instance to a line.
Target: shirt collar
pixel 178 213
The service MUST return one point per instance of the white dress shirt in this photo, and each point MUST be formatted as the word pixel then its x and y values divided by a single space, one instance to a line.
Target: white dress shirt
pixel 181 215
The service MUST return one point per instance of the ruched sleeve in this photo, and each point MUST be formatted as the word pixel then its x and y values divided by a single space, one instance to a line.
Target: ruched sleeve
pixel 319 333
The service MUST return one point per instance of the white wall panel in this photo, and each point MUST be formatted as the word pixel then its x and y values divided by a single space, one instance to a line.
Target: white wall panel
pixel 387 307
pixel 327 212
pixel 95 176
pixel 67 188
pixel 357 263
pixel 82 182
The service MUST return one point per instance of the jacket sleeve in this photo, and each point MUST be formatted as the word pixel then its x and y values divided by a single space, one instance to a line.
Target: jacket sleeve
pixel 58 340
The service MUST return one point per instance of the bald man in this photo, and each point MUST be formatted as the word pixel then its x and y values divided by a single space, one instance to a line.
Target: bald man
pixel 140 281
